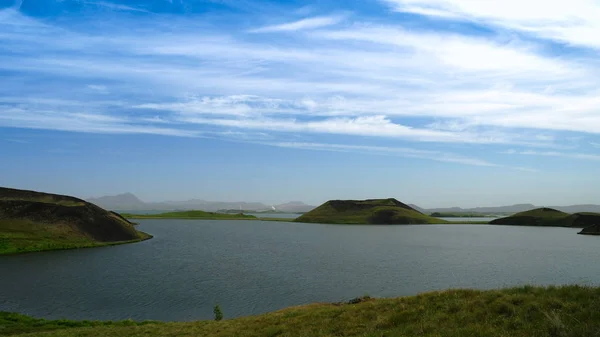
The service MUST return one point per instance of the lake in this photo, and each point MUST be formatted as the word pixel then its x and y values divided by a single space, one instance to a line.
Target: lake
pixel 252 267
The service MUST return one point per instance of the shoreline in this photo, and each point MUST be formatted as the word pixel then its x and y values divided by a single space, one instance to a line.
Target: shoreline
pixel 61 246
pixel 521 311
pixel 293 220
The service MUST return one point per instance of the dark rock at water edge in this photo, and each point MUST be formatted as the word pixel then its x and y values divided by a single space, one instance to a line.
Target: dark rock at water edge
pixel 591 230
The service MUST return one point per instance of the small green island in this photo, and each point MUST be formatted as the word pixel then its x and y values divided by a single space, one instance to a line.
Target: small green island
pixel 33 221
pixel 197 215
pixel 549 217
pixel 567 311
pixel 372 212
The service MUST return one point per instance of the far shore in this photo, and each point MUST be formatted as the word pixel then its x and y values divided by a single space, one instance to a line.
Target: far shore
pixel 247 218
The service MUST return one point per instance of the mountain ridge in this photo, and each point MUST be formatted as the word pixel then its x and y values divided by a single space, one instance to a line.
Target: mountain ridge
pixel 129 202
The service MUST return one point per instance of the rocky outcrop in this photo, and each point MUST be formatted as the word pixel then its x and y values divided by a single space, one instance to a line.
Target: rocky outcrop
pixel 591 230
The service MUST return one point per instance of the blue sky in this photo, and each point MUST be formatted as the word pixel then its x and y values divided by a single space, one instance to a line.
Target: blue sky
pixel 434 102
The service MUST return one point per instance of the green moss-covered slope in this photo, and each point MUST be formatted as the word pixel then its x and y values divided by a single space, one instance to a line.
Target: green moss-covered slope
pixel 35 221
pixel 373 211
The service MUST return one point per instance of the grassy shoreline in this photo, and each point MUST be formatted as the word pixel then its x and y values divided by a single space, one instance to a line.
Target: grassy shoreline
pixel 50 245
pixel 566 311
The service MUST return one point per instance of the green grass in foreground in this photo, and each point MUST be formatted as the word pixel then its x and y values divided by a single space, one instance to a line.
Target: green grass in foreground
pixel 191 215
pixel 22 236
pixel 517 312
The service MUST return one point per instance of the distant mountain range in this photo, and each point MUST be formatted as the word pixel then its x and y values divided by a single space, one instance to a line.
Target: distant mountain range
pixel 509 209
pixel 129 202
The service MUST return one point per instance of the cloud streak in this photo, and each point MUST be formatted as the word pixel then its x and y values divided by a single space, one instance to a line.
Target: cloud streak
pixel 575 22
pixel 303 24
pixel 571 155
pixel 388 151
pixel 114 6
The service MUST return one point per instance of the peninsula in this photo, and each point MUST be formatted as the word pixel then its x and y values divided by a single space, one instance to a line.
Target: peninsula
pixel 373 211
pixel 549 217
pixel 35 221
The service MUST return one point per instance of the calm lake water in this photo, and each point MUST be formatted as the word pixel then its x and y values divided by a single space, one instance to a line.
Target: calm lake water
pixel 251 267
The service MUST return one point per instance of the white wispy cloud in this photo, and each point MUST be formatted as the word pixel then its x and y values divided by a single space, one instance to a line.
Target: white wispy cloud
pixel 98 88
pixel 378 126
pixel 389 151
pixel 114 6
pixel 572 155
pixel 303 24
pixel 372 126
pixel 440 156
pixel 576 22
pixel 18 141
pixel 83 122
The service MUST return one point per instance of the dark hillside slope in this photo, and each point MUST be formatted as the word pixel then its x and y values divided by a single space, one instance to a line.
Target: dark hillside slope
pixel 12 194
pixel 591 230
pixel 548 217
pixel 372 211
pixel 29 218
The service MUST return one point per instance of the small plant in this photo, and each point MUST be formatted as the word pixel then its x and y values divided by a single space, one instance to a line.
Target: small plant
pixel 218 313
pixel 359 299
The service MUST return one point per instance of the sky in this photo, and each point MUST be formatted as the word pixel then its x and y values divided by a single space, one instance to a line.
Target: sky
pixel 439 103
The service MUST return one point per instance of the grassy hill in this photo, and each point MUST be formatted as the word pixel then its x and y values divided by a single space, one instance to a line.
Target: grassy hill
pixel 200 215
pixel 548 217
pixel 374 211
pixel 570 311
pixel 35 221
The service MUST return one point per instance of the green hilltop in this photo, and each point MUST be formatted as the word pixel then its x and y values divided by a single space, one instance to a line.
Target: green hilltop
pixel 35 221
pixel 372 211
pixel 570 311
pixel 548 217
pixel 198 215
